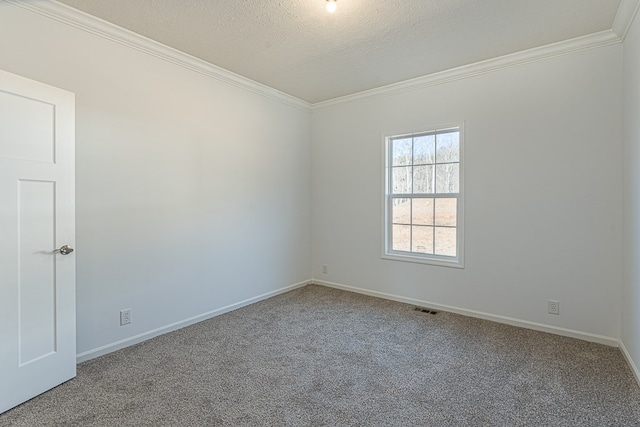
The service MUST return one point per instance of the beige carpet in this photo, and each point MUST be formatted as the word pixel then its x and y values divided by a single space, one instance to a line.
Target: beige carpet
pixel 323 357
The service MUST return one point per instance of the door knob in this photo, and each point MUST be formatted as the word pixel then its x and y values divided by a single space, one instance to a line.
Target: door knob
pixel 64 250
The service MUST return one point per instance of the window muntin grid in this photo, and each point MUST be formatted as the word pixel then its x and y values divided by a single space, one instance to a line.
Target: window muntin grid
pixel 423 195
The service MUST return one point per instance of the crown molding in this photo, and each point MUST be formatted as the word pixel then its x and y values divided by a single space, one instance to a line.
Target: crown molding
pixel 67 15
pixel 626 13
pixel 91 24
pixel 590 41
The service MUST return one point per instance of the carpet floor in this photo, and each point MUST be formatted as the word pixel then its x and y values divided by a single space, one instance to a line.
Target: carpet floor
pixel 317 356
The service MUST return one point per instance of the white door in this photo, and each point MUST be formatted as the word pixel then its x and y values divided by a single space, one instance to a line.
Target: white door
pixel 37 216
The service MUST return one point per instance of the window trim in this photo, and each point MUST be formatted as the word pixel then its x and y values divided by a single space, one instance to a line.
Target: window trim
pixel 430 259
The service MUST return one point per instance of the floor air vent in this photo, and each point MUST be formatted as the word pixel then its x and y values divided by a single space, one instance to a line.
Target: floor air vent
pixel 425 310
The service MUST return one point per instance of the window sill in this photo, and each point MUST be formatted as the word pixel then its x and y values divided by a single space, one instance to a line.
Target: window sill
pixel 430 260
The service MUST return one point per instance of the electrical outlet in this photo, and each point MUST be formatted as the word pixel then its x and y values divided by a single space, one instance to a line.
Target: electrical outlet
pixel 325 269
pixel 553 306
pixel 125 317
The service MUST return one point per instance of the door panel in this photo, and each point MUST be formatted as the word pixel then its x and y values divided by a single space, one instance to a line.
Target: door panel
pixel 32 123
pixel 37 216
pixel 37 281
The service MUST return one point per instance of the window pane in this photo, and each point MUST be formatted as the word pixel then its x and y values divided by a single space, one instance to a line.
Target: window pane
pixel 423 179
pixel 401 180
pixel 424 196
pixel 448 178
pixel 424 149
pixel 401 238
pixel 422 239
pixel 401 211
pixel 422 213
pixel 446 241
pixel 446 211
pixel 401 151
pixel 448 147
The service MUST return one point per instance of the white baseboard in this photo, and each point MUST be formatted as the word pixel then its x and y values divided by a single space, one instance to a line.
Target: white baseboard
pixel 632 365
pixel 601 339
pixel 105 349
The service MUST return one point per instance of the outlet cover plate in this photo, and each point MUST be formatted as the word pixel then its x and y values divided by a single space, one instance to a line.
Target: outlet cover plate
pixel 125 317
pixel 553 306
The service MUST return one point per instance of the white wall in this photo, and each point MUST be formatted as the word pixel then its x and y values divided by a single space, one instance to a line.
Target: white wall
pixel 630 323
pixel 543 195
pixel 192 194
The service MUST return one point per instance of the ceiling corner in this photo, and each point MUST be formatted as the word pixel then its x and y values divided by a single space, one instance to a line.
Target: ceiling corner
pixel 624 17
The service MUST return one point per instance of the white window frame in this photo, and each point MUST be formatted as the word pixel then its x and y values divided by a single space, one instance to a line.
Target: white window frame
pixel 432 259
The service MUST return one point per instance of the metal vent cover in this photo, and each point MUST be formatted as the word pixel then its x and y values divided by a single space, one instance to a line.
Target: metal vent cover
pixel 425 310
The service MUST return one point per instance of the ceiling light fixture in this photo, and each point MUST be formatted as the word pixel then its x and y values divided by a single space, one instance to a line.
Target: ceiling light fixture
pixel 331 5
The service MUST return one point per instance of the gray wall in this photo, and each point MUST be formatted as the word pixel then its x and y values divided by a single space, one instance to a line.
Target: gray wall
pixel 192 194
pixel 630 324
pixel 543 198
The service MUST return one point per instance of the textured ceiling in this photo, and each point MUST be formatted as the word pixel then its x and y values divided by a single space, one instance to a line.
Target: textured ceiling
pixel 297 47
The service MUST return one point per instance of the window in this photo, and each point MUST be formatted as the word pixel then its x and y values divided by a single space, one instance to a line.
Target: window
pixel 423 197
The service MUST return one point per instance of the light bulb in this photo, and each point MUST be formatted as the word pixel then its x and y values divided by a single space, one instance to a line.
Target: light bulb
pixel 331 6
